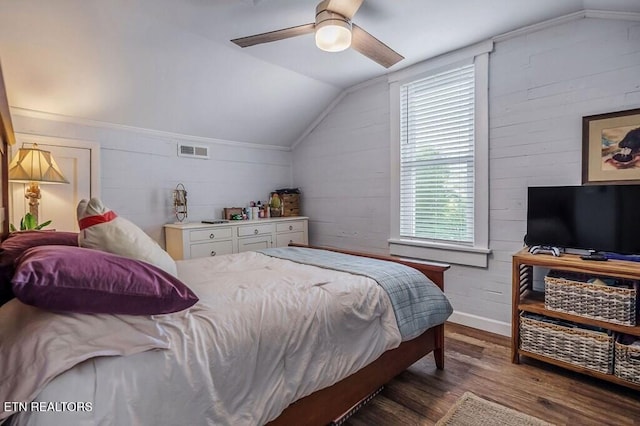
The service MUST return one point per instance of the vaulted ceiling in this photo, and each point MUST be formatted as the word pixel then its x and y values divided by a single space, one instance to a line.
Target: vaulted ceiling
pixel 169 65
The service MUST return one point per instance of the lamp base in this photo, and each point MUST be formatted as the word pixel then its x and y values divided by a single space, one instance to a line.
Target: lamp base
pixel 32 193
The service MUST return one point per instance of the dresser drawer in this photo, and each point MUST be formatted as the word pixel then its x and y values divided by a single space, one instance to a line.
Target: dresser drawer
pixel 210 234
pixel 211 249
pixel 296 226
pixel 254 243
pixel 283 240
pixel 247 231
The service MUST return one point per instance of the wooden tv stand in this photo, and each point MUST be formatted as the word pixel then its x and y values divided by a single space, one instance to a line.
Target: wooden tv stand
pixel 525 299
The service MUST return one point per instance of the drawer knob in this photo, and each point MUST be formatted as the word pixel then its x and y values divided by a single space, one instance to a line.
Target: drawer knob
pixel 212 236
pixel 213 252
pixel 290 241
pixel 255 231
pixel 290 227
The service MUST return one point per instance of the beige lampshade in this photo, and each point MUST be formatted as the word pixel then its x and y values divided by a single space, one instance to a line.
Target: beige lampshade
pixel 35 165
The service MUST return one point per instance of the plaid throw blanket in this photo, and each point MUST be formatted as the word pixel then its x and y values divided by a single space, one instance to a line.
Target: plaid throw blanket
pixel 417 302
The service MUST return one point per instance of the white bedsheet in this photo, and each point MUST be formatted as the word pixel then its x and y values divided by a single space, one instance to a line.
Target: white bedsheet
pixel 37 345
pixel 265 333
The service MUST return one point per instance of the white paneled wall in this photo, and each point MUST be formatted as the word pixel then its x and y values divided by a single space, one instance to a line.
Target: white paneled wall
pixel 342 169
pixel 139 171
pixel 541 85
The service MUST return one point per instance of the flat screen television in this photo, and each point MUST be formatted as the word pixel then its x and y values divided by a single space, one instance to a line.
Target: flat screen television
pixel 603 218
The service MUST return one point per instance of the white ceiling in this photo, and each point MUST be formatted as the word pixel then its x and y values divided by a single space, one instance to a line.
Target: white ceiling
pixel 168 65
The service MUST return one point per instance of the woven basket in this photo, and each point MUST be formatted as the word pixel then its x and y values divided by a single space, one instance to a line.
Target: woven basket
pixel 627 364
pixel 585 348
pixel 605 303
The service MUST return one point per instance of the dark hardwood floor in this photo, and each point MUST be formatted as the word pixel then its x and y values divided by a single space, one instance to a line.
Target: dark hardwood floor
pixel 480 362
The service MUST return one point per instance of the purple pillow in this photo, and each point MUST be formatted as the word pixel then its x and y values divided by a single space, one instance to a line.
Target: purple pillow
pixel 17 242
pixel 82 280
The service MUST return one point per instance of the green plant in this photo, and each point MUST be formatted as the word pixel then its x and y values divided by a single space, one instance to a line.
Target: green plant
pixel 29 222
pixel 274 202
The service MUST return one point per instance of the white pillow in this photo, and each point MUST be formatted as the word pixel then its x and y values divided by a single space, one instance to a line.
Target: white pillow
pixel 102 229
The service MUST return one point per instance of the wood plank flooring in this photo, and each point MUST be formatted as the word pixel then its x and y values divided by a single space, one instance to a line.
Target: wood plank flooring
pixel 480 362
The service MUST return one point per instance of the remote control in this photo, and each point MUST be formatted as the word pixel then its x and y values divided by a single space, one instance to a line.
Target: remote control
pixel 545 249
pixel 594 256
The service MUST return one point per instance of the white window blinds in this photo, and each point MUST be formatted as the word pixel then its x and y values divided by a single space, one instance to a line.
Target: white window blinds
pixel 437 157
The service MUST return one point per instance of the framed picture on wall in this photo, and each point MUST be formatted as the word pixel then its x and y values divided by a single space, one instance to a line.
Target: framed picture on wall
pixel 611 148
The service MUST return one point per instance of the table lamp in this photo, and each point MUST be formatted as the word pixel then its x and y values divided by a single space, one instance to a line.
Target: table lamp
pixel 32 166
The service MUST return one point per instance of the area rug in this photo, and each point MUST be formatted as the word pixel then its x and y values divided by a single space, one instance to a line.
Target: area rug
pixel 471 410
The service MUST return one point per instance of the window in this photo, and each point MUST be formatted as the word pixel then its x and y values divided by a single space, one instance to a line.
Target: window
pixel 437 157
pixel 439 161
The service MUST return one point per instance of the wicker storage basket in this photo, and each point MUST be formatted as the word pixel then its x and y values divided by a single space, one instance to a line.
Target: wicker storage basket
pixel 605 303
pixel 290 204
pixel 585 348
pixel 627 362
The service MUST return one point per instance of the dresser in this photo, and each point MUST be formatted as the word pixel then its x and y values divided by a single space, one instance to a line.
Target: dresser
pixel 190 240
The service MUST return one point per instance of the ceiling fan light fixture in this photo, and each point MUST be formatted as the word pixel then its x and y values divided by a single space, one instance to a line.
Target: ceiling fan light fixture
pixel 333 32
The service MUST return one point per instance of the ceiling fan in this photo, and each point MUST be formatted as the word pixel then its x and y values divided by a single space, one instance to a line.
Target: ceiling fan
pixel 334 32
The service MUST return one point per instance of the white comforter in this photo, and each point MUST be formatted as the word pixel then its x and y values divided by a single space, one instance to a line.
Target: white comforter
pixel 265 333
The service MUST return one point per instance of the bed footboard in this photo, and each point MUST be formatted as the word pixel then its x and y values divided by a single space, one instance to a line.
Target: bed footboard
pixel 326 405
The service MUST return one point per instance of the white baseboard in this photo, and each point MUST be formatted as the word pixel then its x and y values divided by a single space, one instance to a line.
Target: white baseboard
pixel 485 324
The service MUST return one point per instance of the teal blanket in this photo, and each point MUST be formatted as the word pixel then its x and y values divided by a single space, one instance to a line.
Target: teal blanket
pixel 417 302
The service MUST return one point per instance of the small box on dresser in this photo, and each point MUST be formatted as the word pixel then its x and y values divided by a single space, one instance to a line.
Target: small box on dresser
pixel 290 204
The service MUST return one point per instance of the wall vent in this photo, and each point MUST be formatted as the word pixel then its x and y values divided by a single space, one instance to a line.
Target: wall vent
pixel 193 151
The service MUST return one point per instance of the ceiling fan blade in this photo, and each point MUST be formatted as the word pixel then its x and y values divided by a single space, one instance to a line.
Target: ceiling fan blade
pixel 373 48
pixel 346 8
pixel 274 35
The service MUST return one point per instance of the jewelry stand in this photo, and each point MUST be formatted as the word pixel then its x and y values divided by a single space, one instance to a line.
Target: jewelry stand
pixel 180 202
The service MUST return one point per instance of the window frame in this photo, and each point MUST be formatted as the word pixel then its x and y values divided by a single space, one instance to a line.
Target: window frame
pixel 476 254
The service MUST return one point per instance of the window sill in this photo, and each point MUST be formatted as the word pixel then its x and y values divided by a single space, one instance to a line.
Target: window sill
pixel 440 252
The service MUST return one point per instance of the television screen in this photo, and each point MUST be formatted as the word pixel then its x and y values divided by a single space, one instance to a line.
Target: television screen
pixel 600 217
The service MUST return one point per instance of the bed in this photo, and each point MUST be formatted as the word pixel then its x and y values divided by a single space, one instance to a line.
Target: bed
pixel 277 337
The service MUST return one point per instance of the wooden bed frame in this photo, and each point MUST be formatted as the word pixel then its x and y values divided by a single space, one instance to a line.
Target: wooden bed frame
pixel 325 405
pixel 328 404
pixel 8 138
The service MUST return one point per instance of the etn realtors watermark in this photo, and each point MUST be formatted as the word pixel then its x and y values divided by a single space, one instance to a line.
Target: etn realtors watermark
pixel 44 406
